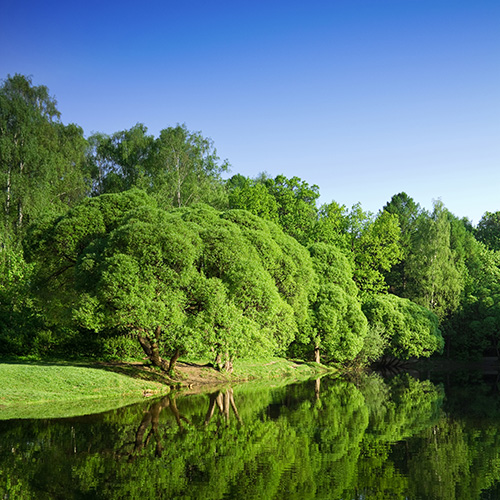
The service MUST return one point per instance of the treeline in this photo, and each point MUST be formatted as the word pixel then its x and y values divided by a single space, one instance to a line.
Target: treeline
pixel 113 245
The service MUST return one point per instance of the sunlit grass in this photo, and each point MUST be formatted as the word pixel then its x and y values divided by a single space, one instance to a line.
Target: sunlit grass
pixel 33 389
pixel 26 384
pixel 277 368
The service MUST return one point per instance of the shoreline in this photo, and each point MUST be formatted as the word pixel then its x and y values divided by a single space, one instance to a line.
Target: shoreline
pixel 59 389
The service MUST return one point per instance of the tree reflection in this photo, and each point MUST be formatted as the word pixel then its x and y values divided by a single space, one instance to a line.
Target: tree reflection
pixel 325 438
pixel 224 400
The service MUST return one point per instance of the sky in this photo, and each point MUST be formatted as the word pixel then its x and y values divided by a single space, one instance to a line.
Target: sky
pixel 364 98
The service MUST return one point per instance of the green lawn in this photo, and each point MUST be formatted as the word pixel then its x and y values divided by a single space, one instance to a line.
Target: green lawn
pixel 31 388
pixel 277 368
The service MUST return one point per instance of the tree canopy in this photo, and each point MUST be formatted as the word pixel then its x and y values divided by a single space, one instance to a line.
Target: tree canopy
pixel 338 324
pixel 189 280
pixel 407 329
pixel 42 161
pixel 128 235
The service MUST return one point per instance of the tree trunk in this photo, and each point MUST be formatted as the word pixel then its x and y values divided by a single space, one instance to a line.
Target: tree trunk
pixel 178 169
pixel 173 360
pixel 228 365
pixel 317 387
pixel 20 213
pixel 317 356
pixel 218 361
pixel 151 349
pixel 8 188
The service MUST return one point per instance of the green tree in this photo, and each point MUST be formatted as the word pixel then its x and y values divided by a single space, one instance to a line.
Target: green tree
pixel 118 162
pixel 408 212
pixel 296 201
pixel 252 195
pixel 376 249
pixel 185 169
pixel 338 324
pixel 179 167
pixel 370 242
pixel 488 230
pixel 190 280
pixel 332 226
pixel 41 160
pixel 407 329
pixel 291 203
pixel 434 270
pixel 474 327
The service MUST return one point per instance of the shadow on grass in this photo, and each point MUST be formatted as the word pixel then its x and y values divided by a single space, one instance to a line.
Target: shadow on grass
pixel 136 370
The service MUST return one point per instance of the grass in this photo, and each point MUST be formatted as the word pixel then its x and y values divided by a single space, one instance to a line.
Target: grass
pixel 272 368
pixel 34 389
pixel 66 389
pixel 261 369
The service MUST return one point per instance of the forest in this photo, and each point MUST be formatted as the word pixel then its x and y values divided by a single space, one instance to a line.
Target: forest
pixel 131 245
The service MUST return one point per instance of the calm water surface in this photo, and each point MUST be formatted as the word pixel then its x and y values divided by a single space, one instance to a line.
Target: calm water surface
pixel 370 438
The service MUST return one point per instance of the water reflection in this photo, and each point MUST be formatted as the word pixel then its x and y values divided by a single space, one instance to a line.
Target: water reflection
pixel 364 439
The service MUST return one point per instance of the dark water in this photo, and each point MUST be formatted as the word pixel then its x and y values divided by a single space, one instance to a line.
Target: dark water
pixel 369 438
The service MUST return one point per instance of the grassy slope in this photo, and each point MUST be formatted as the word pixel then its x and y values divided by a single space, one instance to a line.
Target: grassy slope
pixel 28 389
pixel 50 390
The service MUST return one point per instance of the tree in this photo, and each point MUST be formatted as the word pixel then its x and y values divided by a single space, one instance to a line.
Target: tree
pixel 376 249
pixel 118 162
pixel 407 212
pixel 332 227
pixel 252 195
pixel 371 243
pixel 296 202
pixel 42 160
pixel 435 277
pixel 185 169
pixel 475 325
pixel 179 167
pixel 338 324
pixel 488 230
pixel 190 280
pixel 407 329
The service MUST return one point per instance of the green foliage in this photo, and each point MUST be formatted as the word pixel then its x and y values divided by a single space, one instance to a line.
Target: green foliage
pixel 435 273
pixel 408 330
pixel 42 160
pixel 475 327
pixel 252 195
pixel 117 162
pixel 289 202
pixel 337 322
pixel 332 226
pixel 22 326
pixel 376 250
pixel 190 280
pixel 296 202
pixel 240 278
pixel 371 243
pixel 407 212
pixel 488 230
pixel 178 168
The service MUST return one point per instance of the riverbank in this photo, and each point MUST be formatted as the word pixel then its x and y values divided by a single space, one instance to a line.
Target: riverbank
pixel 56 389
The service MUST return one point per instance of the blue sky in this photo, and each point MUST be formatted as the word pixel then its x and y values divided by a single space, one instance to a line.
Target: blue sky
pixel 365 98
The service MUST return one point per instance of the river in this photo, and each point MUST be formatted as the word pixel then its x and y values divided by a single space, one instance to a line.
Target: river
pixel 369 437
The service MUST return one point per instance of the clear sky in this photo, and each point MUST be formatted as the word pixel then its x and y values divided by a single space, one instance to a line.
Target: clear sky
pixel 365 98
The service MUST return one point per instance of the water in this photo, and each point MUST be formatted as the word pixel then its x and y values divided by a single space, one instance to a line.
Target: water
pixel 368 438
